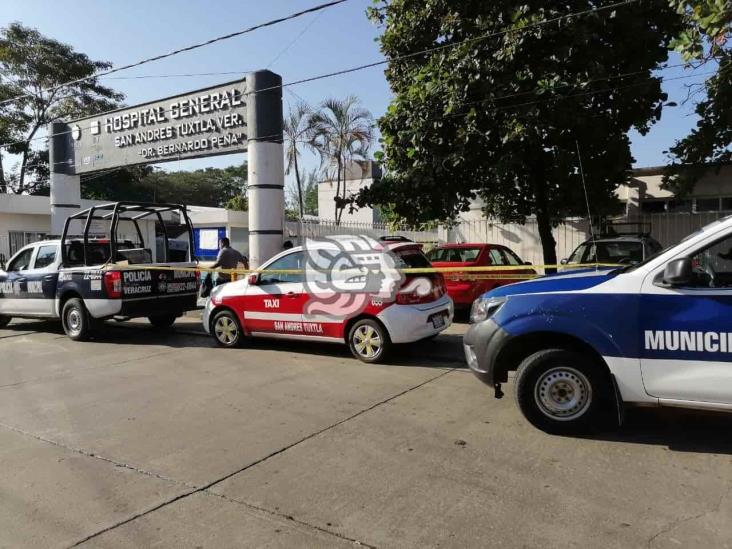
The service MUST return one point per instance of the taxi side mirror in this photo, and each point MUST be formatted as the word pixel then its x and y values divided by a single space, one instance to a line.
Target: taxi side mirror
pixel 253 279
pixel 527 263
pixel 563 261
pixel 678 272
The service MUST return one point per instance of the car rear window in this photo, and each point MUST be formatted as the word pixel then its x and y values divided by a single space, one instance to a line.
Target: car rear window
pixel 411 259
pixel 455 255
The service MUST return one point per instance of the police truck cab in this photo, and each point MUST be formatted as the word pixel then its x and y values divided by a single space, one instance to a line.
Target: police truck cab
pixel 585 344
pixel 103 267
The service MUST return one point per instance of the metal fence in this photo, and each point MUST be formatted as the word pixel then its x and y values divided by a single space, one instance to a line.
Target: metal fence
pixel 521 238
pixel 297 231
pixel 670 228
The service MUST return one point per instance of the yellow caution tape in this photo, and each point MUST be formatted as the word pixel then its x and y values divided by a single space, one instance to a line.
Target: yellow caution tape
pixel 507 271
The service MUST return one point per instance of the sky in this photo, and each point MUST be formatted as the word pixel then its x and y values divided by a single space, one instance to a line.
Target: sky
pixel 336 38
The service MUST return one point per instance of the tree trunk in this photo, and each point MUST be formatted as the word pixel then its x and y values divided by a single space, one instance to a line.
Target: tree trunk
pixel 3 185
pixel 299 185
pixel 21 176
pixel 544 224
pixel 338 190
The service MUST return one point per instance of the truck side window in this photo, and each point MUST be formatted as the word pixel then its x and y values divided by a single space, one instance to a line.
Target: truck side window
pixel 713 265
pixel 22 261
pixel 46 256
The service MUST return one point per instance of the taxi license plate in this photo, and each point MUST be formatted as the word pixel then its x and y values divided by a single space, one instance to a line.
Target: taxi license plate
pixel 438 320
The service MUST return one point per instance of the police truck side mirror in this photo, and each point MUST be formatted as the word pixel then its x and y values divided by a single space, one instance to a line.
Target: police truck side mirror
pixel 678 272
pixel 563 261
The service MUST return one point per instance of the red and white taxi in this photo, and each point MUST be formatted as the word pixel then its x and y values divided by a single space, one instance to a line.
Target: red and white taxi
pixel 343 289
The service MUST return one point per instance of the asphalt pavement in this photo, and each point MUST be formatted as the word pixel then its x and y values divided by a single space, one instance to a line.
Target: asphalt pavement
pixel 152 439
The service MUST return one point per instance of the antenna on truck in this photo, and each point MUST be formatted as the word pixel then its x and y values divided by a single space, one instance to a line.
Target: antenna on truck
pixel 584 187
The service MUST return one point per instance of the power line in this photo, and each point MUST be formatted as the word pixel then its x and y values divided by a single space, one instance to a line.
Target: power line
pixel 487 100
pixel 182 50
pixel 398 58
pixel 294 41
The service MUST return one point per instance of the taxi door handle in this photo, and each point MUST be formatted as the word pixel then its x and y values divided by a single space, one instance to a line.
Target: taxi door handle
pixel 48 278
pixel 291 295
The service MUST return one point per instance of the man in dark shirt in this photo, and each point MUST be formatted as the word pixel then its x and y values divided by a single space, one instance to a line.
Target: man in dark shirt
pixel 228 258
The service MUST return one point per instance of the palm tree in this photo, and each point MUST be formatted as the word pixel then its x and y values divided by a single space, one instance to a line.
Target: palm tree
pixel 297 132
pixel 341 131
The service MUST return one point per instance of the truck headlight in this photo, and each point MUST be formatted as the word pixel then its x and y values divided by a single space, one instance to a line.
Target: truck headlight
pixel 485 307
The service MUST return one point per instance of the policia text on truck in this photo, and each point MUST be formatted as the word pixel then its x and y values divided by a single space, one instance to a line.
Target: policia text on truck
pixel 585 343
pixel 103 271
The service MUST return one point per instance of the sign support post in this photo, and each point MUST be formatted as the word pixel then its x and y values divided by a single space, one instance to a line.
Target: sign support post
pixel 266 172
pixel 65 187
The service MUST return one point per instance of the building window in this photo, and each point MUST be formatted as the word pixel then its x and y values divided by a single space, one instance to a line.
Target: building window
pixel 727 203
pixel 706 205
pixel 18 239
pixel 676 206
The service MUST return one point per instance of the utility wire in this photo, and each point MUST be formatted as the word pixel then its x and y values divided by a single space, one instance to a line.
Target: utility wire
pixel 492 99
pixel 182 50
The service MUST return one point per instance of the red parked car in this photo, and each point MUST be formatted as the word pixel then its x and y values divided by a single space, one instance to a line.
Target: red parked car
pixel 465 287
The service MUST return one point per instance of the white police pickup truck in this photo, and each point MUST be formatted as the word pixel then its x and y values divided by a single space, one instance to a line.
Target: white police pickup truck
pixel 584 344
pixel 84 279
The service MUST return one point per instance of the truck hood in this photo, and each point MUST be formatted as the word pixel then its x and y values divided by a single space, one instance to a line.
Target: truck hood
pixel 562 282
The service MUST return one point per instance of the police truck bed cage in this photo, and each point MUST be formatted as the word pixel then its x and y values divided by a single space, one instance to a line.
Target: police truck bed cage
pixel 626 228
pixel 113 212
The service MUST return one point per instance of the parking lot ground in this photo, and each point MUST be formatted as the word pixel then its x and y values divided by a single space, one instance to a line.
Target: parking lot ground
pixel 142 438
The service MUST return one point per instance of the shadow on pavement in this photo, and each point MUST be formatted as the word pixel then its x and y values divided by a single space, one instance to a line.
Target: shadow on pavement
pixel 443 351
pixel 676 428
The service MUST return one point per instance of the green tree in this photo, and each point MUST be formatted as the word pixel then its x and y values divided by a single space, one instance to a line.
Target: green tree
pixel 500 114
pixel 217 187
pixel 311 193
pixel 342 132
pixel 34 66
pixel 705 40
pixel 298 134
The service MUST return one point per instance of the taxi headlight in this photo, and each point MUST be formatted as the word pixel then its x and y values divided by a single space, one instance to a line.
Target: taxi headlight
pixel 485 307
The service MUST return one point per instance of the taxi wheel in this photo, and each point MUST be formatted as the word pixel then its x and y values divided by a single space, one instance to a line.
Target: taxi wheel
pixel 226 329
pixel 369 341
pixel 563 392
pixel 4 321
pixel 162 322
pixel 75 319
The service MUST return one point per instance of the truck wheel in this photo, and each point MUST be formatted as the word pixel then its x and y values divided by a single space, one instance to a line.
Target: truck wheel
pixel 564 392
pixel 76 320
pixel 369 341
pixel 4 321
pixel 226 329
pixel 162 322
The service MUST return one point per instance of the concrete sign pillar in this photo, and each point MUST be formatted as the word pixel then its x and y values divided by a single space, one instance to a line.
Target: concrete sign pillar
pixel 65 188
pixel 266 171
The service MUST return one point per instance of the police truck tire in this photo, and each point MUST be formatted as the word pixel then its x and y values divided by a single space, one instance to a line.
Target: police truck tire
pixel 564 392
pixel 76 320
pixel 226 329
pixel 162 322
pixel 369 341
pixel 4 321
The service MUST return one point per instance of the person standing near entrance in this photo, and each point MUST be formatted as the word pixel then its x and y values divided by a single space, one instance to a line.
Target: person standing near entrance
pixel 228 258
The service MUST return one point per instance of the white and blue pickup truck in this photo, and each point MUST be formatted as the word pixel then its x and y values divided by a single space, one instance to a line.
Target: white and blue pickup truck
pixel 85 278
pixel 585 344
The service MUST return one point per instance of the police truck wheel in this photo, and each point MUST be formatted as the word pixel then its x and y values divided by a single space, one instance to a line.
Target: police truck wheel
pixel 564 392
pixel 4 321
pixel 368 341
pixel 75 319
pixel 162 322
pixel 226 329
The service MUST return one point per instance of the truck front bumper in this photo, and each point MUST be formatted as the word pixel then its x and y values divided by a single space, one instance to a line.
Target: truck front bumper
pixel 482 343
